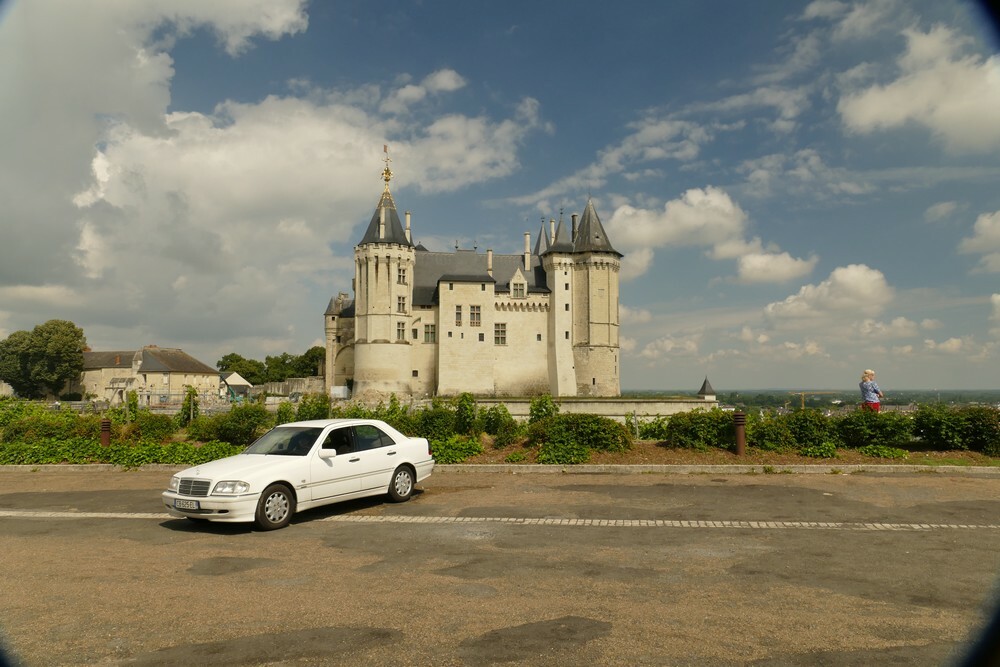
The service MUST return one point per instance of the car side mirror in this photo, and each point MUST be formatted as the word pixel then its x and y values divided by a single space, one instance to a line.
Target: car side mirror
pixel 327 453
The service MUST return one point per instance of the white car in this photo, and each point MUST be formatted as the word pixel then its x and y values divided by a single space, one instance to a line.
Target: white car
pixel 300 465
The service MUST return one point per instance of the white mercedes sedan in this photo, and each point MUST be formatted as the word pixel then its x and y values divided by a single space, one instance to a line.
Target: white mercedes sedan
pixel 301 465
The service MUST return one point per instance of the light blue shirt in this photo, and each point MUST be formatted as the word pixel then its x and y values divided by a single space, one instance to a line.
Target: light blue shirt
pixel 869 391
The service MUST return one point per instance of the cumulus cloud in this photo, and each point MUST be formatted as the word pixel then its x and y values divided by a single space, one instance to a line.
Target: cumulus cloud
pixel 706 218
pixel 628 315
pixel 799 173
pixel 985 241
pixel 442 81
pixel 853 291
pixel 899 327
pixel 940 211
pixel 671 346
pixel 953 96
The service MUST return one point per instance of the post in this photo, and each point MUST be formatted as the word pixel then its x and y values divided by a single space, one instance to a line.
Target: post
pixel 105 432
pixel 740 422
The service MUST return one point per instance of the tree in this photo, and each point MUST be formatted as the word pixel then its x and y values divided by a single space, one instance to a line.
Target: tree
pixel 281 367
pixel 42 361
pixel 311 363
pixel 251 370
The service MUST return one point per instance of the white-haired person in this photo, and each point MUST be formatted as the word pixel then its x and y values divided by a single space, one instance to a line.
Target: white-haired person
pixel 871 395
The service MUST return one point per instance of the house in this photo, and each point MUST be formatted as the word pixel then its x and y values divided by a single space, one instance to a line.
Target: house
pixel 159 376
pixel 422 323
pixel 235 387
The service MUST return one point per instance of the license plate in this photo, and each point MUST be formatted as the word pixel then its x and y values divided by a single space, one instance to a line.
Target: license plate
pixel 186 504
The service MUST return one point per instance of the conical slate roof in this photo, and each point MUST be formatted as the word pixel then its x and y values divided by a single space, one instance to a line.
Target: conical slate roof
pixel 706 388
pixel 590 235
pixel 394 232
pixel 542 244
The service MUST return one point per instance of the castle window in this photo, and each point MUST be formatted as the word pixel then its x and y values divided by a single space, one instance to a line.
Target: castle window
pixel 416 373
pixel 458 316
pixel 517 290
pixel 482 337
pixel 474 316
pixel 400 330
pixel 567 285
pixel 567 335
pixel 451 285
pixel 482 287
pixel 415 334
pixel 430 333
pixel 401 276
pixel 567 306
pixel 500 333
pixel 400 304
pixel 538 337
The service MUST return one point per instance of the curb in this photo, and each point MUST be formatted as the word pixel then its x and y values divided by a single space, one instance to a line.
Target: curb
pixel 589 469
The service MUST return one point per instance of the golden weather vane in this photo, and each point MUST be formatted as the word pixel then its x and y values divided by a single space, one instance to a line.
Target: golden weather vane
pixel 386 173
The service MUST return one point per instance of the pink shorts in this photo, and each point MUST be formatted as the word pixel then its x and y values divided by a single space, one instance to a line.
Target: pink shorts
pixel 873 407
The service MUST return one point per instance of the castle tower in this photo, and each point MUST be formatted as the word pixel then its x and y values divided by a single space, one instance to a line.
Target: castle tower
pixel 596 267
pixel 383 286
pixel 558 262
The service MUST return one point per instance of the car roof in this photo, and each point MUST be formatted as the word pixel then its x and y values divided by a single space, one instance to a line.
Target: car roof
pixel 323 423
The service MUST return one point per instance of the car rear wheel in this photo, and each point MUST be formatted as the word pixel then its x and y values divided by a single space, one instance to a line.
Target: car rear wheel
pixel 401 486
pixel 275 507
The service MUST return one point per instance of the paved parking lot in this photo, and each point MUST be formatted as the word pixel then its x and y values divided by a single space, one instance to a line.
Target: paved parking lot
pixel 491 568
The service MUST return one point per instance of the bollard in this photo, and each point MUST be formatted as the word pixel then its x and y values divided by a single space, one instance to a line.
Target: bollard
pixel 740 422
pixel 105 432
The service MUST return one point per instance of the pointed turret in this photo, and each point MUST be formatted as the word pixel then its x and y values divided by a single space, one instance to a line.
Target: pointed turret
pixel 590 235
pixel 385 226
pixel 706 392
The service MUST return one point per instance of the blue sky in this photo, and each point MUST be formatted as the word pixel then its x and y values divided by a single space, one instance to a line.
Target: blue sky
pixel 801 190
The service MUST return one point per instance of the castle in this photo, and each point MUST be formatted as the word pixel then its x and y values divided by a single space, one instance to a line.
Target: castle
pixel 424 324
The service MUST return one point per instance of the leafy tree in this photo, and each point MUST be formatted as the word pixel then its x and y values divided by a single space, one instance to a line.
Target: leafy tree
pixel 251 370
pixel 280 367
pixel 311 363
pixel 42 361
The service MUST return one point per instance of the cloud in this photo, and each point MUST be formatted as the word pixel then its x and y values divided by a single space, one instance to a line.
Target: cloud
pixel 985 241
pixel 850 292
pixel 995 317
pixel 863 19
pixel 773 267
pixel 802 172
pixel 628 315
pixel 701 218
pixel 940 211
pixel 442 81
pixel 954 97
pixel 899 327
pixel 671 346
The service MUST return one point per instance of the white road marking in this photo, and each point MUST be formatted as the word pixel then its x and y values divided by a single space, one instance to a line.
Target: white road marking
pixel 549 521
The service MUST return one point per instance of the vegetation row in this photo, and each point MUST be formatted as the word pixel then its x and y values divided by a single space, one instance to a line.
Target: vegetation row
pixel 458 429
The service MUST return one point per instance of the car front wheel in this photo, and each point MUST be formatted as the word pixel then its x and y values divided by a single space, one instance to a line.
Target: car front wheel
pixel 401 486
pixel 275 507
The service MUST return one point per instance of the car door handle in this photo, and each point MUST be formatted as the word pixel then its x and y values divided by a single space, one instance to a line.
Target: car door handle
pixel 392 453
pixel 354 460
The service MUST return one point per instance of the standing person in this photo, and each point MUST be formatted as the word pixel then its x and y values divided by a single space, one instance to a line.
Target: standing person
pixel 871 395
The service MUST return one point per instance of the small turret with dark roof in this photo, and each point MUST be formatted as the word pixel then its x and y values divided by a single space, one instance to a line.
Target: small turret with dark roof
pixel 385 226
pixel 706 391
pixel 590 235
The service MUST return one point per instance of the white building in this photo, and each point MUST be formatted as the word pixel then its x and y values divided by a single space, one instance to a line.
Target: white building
pixel 425 323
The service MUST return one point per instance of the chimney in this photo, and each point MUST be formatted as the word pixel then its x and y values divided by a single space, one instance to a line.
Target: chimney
pixel 552 230
pixel 527 251
pixel 381 223
pixel 574 216
pixel 118 359
pixel 489 261
pixel 408 227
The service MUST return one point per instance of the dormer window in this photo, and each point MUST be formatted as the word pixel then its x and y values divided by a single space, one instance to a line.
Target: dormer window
pixel 517 290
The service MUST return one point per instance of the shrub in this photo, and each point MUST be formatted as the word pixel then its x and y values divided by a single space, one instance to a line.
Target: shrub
pixel 541 407
pixel 939 427
pixel 653 429
pixel 36 422
pixel 437 423
pixel 154 427
pixel 397 416
pixel 701 430
pixel 771 433
pixel 515 457
pixel 981 429
pixel 862 427
pixel 313 406
pixel 189 408
pixel 825 450
pixel 456 449
pixel 243 424
pixel 466 415
pixel 568 439
pixel 809 428
pixel 882 452
pixel 285 413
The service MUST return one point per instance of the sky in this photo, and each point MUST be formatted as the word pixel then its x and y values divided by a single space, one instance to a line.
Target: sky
pixel 801 190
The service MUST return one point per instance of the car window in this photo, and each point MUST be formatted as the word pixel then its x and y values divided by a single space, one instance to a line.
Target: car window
pixel 367 436
pixel 286 441
pixel 340 440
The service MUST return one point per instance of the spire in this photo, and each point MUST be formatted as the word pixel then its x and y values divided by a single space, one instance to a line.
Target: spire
pixel 590 235
pixel 542 244
pixel 385 226
pixel 706 388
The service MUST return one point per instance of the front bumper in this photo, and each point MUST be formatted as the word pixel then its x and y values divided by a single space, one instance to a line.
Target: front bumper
pixel 232 509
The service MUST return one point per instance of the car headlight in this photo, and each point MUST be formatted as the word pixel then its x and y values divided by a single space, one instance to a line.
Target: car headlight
pixel 230 488
pixel 175 483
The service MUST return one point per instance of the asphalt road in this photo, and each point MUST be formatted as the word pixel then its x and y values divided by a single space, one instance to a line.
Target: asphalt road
pixel 486 569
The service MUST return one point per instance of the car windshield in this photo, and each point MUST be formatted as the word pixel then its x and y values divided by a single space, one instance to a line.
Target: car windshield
pixel 286 441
